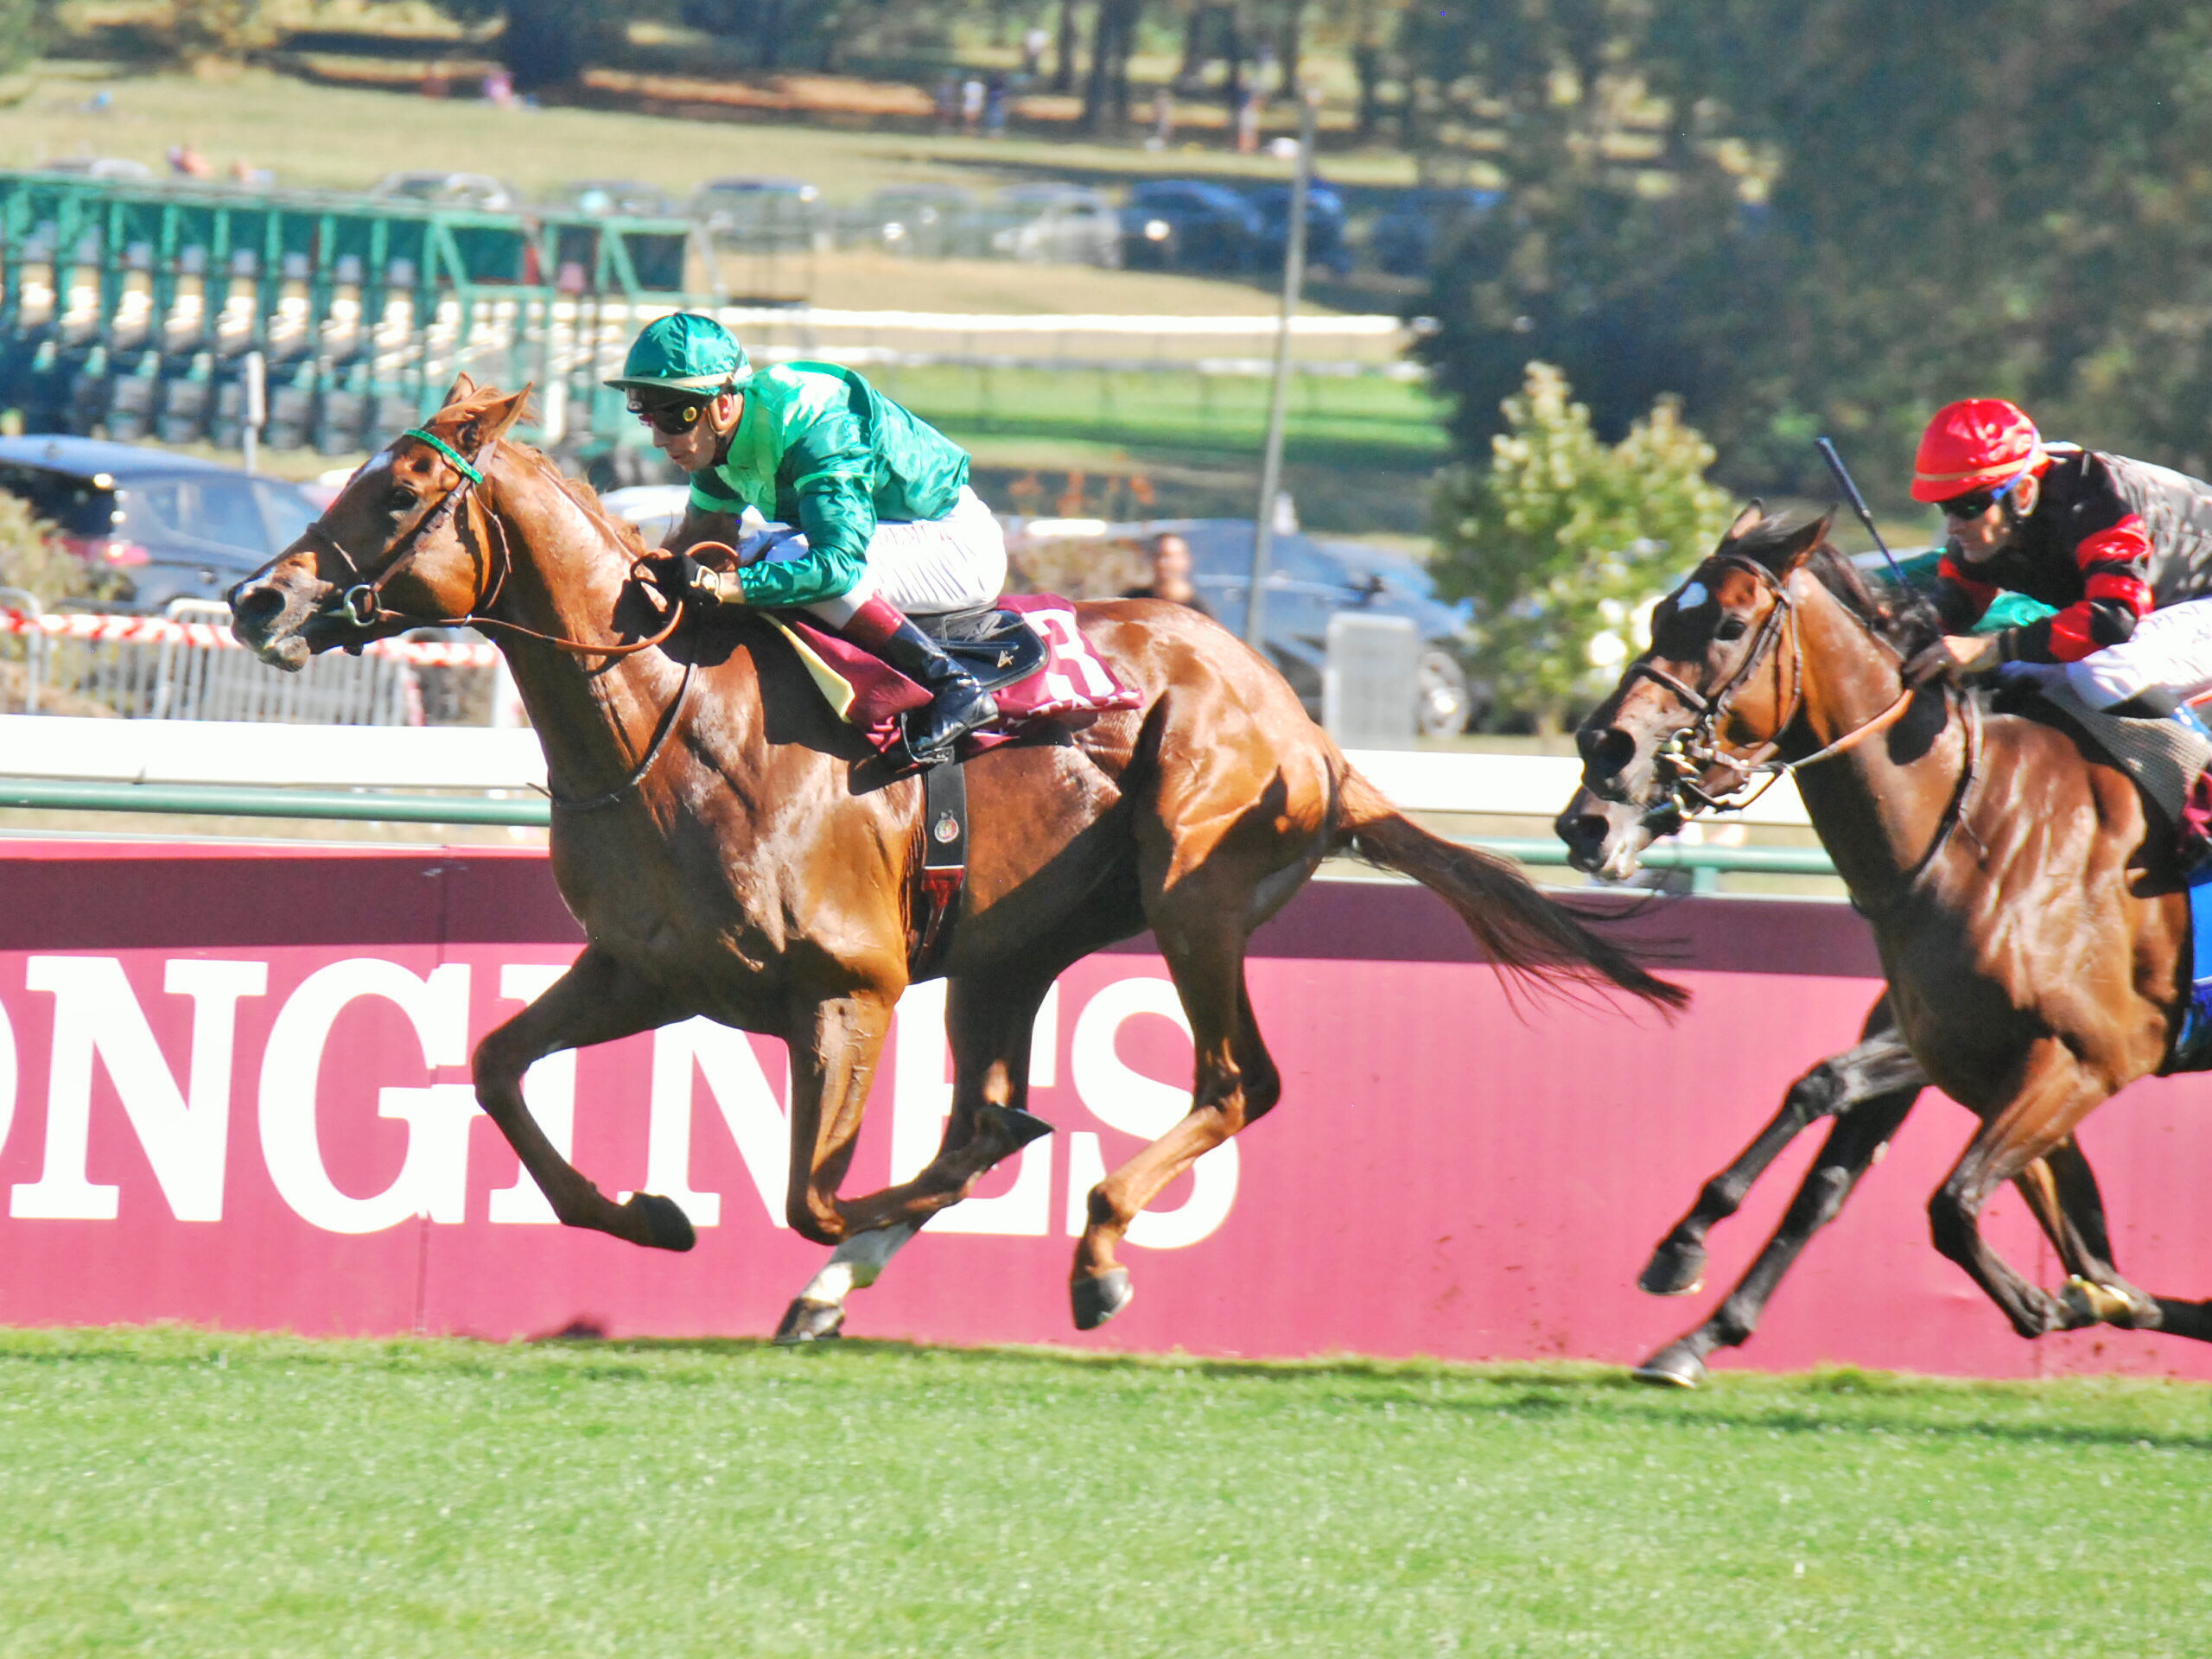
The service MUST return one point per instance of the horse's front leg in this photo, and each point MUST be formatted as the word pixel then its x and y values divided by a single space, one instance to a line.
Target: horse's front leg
pixel 1862 1129
pixel 834 1050
pixel 1876 1065
pixel 597 1000
pixel 2056 1093
pixel 990 1020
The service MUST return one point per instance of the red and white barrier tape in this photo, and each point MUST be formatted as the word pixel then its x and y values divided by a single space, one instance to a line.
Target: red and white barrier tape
pixel 101 629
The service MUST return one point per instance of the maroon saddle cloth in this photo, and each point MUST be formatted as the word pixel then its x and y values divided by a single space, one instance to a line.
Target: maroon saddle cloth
pixel 1071 688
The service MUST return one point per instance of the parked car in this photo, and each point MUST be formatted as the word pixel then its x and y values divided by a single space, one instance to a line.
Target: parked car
pixel 761 213
pixel 1309 580
pixel 477 190
pixel 1407 236
pixel 1056 224
pixel 1327 247
pixel 604 197
pixel 168 526
pixel 1189 224
pixel 928 221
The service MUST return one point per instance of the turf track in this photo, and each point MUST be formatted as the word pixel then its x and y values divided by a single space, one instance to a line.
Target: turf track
pixel 181 1493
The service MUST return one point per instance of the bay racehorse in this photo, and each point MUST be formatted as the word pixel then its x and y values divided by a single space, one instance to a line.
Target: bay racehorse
pixel 732 850
pixel 2028 908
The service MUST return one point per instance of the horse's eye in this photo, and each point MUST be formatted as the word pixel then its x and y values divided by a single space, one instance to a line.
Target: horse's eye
pixel 1731 628
pixel 398 502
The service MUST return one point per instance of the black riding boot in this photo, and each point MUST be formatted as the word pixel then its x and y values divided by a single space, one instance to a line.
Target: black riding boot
pixel 957 704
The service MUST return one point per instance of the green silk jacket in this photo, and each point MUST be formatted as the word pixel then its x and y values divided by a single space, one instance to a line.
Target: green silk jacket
pixel 819 448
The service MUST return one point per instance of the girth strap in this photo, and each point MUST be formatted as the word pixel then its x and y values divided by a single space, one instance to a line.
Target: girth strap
pixel 944 872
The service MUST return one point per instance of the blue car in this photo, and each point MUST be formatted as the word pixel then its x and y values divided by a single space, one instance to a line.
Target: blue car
pixel 1327 247
pixel 1190 224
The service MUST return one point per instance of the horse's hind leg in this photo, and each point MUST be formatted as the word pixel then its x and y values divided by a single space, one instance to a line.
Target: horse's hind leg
pixel 1876 1065
pixel 2061 1194
pixel 1236 1086
pixel 597 1000
pixel 1861 1131
pixel 2056 1094
pixel 990 1020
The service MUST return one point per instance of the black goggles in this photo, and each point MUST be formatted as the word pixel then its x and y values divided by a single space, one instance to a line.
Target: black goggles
pixel 1974 504
pixel 671 417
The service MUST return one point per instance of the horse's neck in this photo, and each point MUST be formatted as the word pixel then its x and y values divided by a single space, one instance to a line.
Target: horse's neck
pixel 1881 805
pixel 568 578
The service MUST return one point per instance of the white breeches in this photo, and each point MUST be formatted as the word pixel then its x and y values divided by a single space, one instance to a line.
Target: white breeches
pixel 952 563
pixel 2171 648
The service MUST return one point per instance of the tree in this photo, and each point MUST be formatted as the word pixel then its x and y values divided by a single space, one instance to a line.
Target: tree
pixel 1563 541
pixel 1113 40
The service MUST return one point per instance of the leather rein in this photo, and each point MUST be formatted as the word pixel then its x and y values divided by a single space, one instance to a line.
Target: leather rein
pixel 363 603
pixel 1698 749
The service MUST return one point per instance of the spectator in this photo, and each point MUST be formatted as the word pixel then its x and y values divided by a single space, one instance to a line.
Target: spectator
pixel 971 103
pixel 500 89
pixel 1247 124
pixel 1170 575
pixel 1034 42
pixel 186 162
pixel 1163 119
pixel 994 91
pixel 948 102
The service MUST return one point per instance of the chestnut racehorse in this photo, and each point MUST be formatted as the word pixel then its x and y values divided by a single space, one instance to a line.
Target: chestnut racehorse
pixel 2029 911
pixel 732 850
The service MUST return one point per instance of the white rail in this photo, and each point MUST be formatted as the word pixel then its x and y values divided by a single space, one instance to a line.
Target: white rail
pixel 484 758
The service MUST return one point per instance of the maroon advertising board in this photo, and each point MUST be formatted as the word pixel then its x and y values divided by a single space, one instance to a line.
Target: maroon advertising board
pixel 233 1092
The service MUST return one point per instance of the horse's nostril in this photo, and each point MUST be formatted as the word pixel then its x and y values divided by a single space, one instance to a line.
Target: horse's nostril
pixel 257 603
pixel 1580 830
pixel 1605 753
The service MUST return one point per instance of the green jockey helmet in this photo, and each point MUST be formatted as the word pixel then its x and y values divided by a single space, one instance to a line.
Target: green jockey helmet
pixel 685 351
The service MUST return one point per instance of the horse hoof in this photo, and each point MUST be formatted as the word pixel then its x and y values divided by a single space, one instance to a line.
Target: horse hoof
pixel 667 1228
pixel 1099 1299
pixel 805 1321
pixel 1672 1368
pixel 1020 1128
pixel 2087 1303
pixel 1674 1270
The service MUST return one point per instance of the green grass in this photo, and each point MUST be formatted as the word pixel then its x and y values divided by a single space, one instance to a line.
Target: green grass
pixel 187 1493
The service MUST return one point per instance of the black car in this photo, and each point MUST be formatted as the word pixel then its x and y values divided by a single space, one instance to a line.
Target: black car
pixel 1327 247
pixel 168 526
pixel 1189 224
pixel 1309 581
pixel 1406 239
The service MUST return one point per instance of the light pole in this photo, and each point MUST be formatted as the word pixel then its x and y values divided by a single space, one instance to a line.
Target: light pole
pixel 1294 278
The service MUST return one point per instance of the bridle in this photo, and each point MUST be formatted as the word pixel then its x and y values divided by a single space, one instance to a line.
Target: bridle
pixel 1688 758
pixel 362 604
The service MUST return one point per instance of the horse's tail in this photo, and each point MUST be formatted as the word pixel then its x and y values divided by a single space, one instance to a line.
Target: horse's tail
pixel 1521 928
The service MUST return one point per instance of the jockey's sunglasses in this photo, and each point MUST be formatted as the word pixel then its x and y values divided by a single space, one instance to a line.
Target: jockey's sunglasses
pixel 671 418
pixel 1978 502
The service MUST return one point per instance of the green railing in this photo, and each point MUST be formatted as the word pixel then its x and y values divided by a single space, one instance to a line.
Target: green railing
pixel 1706 864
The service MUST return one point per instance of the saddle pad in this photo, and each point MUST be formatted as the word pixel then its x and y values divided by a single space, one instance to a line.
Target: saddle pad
pixel 2192 1050
pixel 1073 688
pixel 2164 757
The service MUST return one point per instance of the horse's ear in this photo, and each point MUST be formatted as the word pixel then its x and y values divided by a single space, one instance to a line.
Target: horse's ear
pixel 462 387
pixel 491 422
pixel 1747 521
pixel 1797 546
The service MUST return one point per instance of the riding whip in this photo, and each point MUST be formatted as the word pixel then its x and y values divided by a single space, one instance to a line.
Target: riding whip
pixel 1858 506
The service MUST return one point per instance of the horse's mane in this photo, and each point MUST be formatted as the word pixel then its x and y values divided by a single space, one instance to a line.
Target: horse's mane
pixel 1903 616
pixel 619 532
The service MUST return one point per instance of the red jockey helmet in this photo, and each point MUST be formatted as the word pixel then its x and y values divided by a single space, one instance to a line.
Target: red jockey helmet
pixel 1977 443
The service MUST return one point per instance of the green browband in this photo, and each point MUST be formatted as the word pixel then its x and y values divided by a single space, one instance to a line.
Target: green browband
pixel 447 451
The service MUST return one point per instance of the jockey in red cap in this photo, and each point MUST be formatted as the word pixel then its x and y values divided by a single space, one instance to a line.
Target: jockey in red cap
pixel 2122 549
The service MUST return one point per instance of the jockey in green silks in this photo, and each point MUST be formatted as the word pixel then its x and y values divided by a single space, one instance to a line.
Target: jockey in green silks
pixel 873 514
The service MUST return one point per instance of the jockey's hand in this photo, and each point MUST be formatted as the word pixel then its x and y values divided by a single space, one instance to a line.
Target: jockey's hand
pixel 683 579
pixel 1954 654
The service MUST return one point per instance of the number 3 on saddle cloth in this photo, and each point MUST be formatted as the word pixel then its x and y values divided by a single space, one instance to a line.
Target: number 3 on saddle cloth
pixel 1027 652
